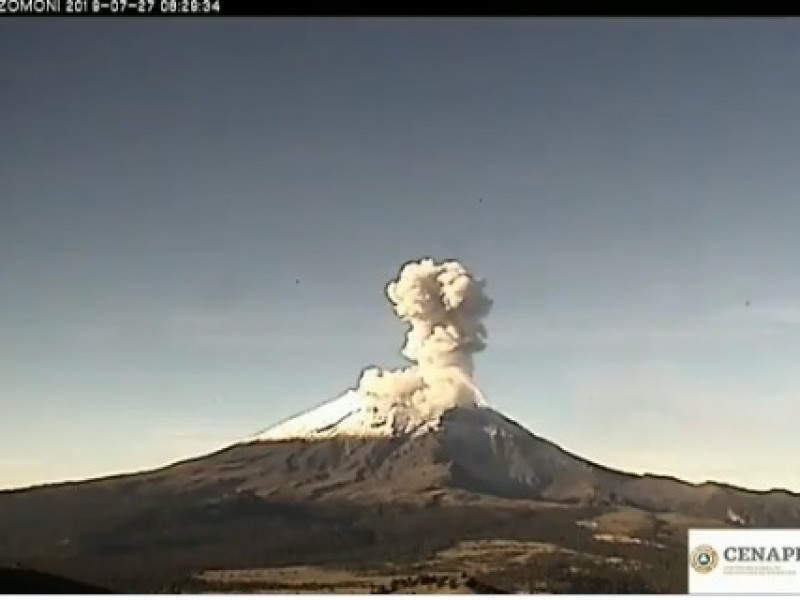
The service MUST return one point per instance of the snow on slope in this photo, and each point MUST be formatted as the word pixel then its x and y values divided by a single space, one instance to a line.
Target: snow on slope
pixel 350 415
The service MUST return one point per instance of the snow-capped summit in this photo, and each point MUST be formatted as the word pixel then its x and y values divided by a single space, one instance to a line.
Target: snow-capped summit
pixel 352 415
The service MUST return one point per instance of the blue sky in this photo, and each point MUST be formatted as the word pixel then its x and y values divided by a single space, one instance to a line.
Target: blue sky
pixel 197 221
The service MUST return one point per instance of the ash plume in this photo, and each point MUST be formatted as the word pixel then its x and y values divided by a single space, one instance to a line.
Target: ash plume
pixel 443 305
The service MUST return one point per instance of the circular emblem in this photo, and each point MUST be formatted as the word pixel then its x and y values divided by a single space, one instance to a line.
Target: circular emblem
pixel 703 559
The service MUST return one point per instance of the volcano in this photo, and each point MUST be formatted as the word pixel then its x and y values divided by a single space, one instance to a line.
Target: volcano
pixel 336 486
pixel 341 450
pixel 412 471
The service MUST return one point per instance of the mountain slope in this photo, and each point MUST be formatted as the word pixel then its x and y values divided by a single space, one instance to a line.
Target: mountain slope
pixel 464 453
pixel 479 450
pixel 466 473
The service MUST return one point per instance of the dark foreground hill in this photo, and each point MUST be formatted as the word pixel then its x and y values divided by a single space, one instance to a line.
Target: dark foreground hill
pixel 27 581
pixel 479 494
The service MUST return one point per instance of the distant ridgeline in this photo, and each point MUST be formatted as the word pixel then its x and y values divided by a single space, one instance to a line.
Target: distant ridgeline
pixel 27 581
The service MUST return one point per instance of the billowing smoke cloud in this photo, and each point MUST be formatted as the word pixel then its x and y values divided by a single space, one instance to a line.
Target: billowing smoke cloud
pixel 443 305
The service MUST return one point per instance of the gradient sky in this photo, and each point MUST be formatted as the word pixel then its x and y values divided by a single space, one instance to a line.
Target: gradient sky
pixel 198 219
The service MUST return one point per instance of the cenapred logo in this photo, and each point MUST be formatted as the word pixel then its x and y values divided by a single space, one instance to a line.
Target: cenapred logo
pixel 704 559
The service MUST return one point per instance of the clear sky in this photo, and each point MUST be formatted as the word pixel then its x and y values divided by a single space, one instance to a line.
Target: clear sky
pixel 198 218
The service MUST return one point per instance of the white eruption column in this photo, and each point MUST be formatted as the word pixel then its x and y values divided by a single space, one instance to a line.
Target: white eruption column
pixel 443 305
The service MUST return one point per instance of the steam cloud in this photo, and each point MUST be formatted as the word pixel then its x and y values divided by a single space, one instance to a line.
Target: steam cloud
pixel 443 305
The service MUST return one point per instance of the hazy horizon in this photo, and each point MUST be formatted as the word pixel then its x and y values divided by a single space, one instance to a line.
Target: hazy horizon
pixel 199 220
